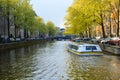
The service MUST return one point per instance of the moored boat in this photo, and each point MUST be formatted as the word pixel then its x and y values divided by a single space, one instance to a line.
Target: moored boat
pixel 85 49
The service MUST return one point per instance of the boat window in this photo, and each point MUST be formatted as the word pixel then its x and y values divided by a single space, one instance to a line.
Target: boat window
pixel 91 48
pixel 74 47
pixel 70 46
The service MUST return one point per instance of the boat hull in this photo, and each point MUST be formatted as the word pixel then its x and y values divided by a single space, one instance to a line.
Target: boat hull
pixel 86 53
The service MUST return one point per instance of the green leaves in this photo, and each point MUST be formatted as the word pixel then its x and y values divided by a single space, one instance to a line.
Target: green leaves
pixel 23 16
pixel 79 16
pixel 85 14
pixel 51 28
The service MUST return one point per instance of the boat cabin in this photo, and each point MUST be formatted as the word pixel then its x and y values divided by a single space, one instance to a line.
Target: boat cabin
pixel 85 47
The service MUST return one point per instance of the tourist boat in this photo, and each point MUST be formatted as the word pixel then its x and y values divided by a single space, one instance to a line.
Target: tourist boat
pixel 85 49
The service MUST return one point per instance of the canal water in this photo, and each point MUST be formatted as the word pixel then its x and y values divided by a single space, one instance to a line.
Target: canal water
pixel 51 61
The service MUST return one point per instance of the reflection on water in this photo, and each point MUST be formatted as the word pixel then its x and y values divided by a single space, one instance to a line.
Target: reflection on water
pixel 51 61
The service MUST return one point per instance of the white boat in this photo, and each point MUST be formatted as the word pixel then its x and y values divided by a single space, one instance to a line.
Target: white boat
pixel 85 49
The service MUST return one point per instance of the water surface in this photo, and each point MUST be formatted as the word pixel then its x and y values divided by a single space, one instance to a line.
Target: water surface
pixel 51 61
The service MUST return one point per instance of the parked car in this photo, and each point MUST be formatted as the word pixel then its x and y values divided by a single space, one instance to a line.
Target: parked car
pixel 77 39
pixel 95 40
pixel 105 40
pixel 86 39
pixel 114 41
pixel 17 39
pixel 12 39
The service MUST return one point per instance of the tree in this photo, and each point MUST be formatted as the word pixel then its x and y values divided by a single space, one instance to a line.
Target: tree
pixel 83 14
pixel 80 16
pixel 51 28
pixel 19 13
pixel 41 26
pixel 115 10
pixel 24 16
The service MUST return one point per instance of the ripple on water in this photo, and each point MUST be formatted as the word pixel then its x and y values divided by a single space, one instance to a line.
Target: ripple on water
pixel 51 61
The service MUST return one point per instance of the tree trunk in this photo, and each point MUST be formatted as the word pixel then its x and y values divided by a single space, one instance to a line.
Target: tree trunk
pixel 89 29
pixel 86 33
pixel 15 31
pixel 118 20
pixel 8 21
pixel 4 26
pixel 110 25
pixel 102 24
pixel 8 24
pixel 103 30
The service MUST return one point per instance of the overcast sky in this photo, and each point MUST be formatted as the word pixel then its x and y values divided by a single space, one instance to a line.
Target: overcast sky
pixel 52 10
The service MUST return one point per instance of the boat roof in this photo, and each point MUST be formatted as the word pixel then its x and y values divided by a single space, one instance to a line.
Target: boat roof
pixel 84 44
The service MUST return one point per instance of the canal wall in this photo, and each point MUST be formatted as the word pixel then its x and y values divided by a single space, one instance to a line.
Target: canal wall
pixel 110 48
pixel 19 44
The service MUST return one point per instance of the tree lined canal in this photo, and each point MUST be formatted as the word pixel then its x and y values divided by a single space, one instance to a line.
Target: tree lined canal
pixel 51 61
